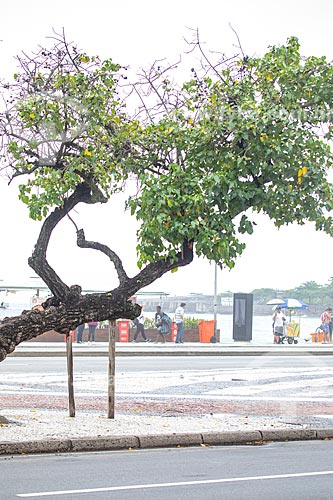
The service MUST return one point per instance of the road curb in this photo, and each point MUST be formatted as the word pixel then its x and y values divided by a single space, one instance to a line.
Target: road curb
pixel 37 446
pixel 111 443
pixel 236 352
pixel 231 438
pixel 104 443
pixel 170 440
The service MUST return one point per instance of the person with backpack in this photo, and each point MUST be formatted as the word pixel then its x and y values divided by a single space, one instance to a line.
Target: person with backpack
pixel 163 325
pixel 325 319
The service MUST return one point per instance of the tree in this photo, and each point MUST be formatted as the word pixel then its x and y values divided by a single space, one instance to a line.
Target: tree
pixel 242 134
pixel 263 295
pixel 327 290
pixel 310 292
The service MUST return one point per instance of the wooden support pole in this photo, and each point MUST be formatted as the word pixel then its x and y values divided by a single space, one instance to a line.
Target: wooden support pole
pixel 111 369
pixel 69 352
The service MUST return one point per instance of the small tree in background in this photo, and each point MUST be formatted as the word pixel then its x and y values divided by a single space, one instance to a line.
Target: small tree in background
pixel 241 135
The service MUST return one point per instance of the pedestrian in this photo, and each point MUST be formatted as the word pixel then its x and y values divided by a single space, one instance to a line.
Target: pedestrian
pixel 179 320
pixel 330 326
pixel 278 325
pixel 140 327
pixel 92 325
pixel 325 319
pixel 79 333
pixel 162 322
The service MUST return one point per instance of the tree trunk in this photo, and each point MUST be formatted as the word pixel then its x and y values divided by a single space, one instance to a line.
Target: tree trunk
pixel 111 369
pixel 64 318
pixel 71 400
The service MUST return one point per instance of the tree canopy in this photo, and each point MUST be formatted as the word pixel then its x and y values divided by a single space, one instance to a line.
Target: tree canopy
pixel 239 135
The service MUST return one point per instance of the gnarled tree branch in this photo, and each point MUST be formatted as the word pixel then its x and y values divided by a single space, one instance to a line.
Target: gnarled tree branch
pixel 38 260
pixel 155 270
pixel 83 243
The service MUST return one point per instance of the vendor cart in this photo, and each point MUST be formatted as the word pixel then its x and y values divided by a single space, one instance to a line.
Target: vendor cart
pixel 292 332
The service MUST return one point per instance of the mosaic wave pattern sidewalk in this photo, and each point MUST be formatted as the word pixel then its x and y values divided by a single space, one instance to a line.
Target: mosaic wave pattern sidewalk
pixel 298 396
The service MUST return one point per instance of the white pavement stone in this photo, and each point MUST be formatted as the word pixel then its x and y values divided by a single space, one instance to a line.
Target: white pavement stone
pixel 26 425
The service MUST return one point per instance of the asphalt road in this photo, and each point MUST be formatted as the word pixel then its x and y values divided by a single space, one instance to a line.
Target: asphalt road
pixel 276 471
pixel 156 363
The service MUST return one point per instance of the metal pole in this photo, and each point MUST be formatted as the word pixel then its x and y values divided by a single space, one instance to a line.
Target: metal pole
pixel 215 298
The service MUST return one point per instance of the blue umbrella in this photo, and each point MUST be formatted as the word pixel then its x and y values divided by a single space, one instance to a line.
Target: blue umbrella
pixel 275 302
pixel 293 304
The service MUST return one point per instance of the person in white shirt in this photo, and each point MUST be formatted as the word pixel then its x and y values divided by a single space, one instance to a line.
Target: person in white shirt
pixel 278 321
pixel 140 327
pixel 179 320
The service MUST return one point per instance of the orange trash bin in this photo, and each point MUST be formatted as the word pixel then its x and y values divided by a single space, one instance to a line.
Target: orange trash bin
pixel 317 336
pixel 206 330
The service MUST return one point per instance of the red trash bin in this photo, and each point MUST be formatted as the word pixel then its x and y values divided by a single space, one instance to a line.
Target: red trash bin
pixel 123 326
pixel 72 334
pixel 174 330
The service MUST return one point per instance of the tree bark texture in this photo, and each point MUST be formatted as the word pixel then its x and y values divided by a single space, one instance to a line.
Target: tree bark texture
pixel 69 351
pixel 112 369
pixel 63 318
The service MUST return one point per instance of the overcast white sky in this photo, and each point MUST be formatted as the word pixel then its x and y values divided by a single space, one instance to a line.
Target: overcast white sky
pixel 135 33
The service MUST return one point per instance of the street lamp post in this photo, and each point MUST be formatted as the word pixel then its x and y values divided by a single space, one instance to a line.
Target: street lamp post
pixel 215 298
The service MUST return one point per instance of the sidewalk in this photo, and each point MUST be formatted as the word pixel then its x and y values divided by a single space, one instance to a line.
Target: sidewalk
pixel 187 349
pixel 213 407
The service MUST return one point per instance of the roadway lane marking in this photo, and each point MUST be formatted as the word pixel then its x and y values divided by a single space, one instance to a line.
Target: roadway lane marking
pixel 168 485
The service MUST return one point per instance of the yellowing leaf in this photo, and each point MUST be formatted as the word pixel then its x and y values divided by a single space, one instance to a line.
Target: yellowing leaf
pixel 87 152
pixel 32 115
pixel 169 203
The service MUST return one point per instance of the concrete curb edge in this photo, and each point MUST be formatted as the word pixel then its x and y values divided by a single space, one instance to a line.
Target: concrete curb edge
pixel 254 352
pixel 111 443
